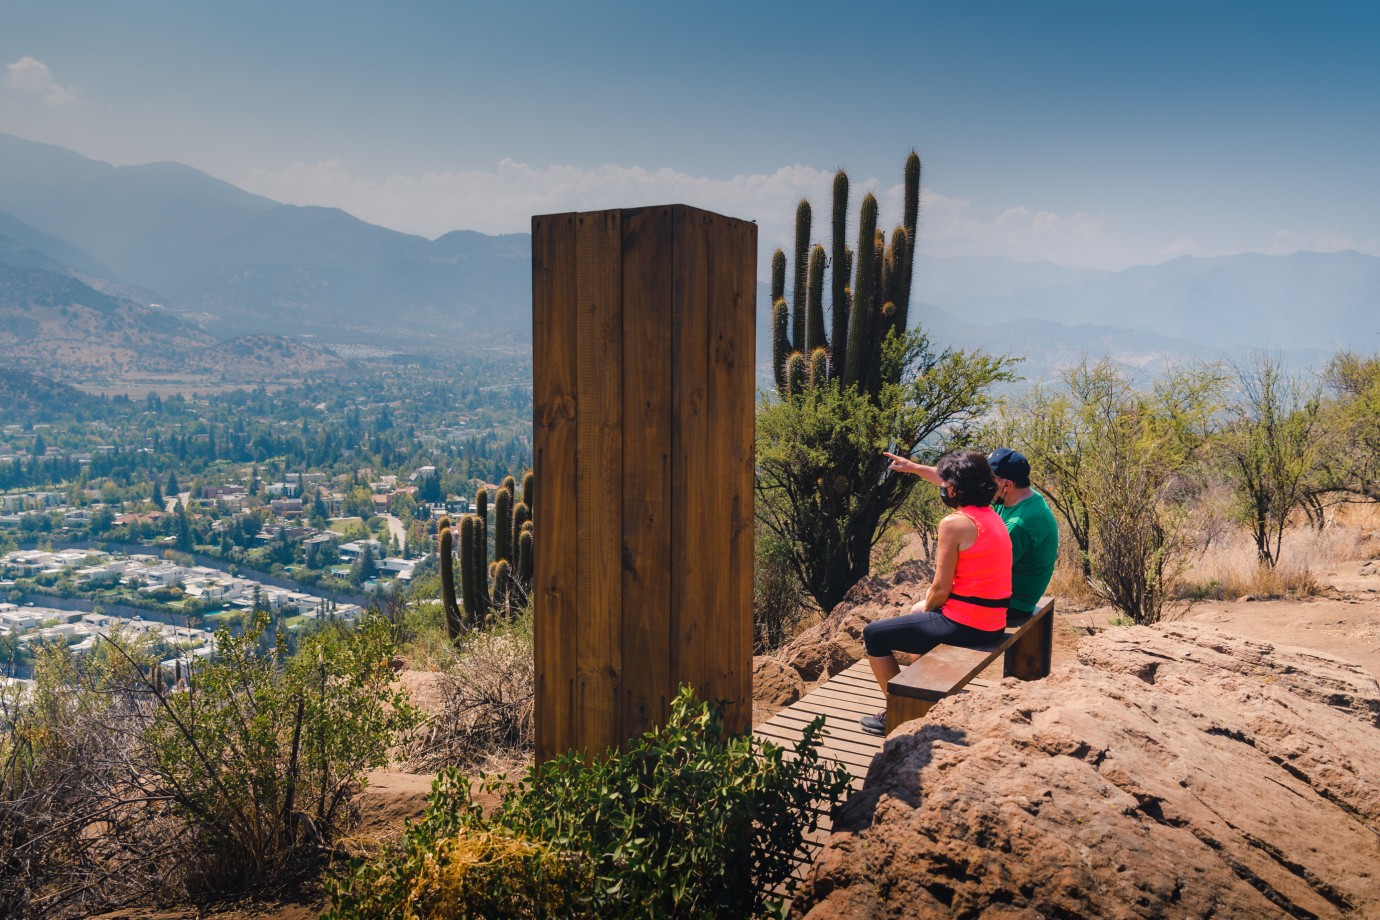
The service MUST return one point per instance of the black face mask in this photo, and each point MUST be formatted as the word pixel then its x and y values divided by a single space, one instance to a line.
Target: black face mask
pixel 950 500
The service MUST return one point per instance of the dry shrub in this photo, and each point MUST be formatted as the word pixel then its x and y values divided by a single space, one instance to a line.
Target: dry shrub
pixel 116 789
pixel 1229 567
pixel 74 833
pixel 492 873
pixel 485 720
pixel 1068 583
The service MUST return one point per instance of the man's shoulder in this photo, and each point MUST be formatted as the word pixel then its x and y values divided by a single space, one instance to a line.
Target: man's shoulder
pixel 1038 505
pixel 1033 511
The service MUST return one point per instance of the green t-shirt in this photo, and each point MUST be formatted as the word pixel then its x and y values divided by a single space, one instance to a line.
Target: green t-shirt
pixel 1034 547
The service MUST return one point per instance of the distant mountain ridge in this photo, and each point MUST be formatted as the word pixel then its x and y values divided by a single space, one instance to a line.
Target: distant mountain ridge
pixel 232 264
pixel 53 325
pixel 1314 300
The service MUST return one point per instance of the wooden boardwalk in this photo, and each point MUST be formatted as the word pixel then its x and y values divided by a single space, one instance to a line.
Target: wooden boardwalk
pixel 841 700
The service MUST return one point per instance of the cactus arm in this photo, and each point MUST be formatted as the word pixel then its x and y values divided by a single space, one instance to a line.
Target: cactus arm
pixel 798 292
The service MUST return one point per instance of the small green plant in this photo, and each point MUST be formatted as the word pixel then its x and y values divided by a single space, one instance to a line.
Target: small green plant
pixel 689 821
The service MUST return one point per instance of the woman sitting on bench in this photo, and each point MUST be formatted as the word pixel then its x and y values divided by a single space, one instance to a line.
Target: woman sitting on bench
pixel 966 603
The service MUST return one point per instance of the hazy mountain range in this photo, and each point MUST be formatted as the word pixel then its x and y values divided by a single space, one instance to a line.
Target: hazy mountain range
pixel 163 257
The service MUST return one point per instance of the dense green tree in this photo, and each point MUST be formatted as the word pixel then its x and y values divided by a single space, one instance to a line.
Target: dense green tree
pixel 1350 453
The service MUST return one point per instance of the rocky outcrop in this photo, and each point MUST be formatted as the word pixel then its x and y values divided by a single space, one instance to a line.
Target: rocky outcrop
pixel 773 684
pixel 1169 772
pixel 836 642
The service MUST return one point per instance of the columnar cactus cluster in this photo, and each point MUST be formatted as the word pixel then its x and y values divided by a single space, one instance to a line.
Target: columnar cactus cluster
pixel 863 313
pixel 502 584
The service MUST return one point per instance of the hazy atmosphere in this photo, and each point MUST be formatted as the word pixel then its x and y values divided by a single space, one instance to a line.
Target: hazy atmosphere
pixel 1086 134
pixel 978 514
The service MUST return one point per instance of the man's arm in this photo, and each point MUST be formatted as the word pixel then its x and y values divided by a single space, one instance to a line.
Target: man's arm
pixel 901 464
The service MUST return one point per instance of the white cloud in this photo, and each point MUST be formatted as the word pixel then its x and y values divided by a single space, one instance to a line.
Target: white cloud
pixel 32 77
pixel 955 226
pixel 503 200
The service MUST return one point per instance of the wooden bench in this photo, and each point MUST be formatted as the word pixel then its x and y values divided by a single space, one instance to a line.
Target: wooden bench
pixel 946 669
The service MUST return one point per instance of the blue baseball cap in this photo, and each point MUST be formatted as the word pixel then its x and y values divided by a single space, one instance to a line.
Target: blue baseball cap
pixel 1008 464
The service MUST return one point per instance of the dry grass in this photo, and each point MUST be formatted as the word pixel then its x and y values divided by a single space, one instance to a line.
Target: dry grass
pixel 1068 583
pixel 485 718
pixel 1228 567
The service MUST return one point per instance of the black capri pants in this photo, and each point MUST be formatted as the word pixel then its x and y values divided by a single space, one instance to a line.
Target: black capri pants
pixel 917 633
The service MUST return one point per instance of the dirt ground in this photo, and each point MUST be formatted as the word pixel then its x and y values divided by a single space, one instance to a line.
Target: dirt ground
pixel 1342 621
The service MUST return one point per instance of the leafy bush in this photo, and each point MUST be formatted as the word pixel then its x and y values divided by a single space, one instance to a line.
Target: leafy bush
pixel 116 789
pixel 262 756
pixel 686 822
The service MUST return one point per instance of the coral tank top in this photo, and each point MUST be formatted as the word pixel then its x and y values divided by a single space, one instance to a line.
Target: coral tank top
pixel 982 577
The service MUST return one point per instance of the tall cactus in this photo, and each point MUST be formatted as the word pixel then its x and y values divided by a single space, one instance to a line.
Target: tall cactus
pixel 522 516
pixel 912 217
pixel 841 259
pixel 455 620
pixel 473 591
pixel 506 581
pixel 503 523
pixel 797 373
pixel 864 312
pixel 780 339
pixel 798 293
pixel 524 556
pixel 814 309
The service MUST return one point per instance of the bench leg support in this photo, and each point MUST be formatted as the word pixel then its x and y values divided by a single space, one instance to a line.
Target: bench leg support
pixel 1030 658
pixel 902 709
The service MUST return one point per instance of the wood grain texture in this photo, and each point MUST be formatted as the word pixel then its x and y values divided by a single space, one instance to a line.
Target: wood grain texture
pixel 900 709
pixel 644 320
pixel 554 448
pixel 1031 656
pixel 694 499
pixel 647 526
pixel 732 344
pixel 598 490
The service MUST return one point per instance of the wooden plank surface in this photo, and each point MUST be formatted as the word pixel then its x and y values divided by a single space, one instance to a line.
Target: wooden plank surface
pixel 599 488
pixel 646 544
pixel 554 449
pixel 732 272
pixel 843 741
pixel 694 512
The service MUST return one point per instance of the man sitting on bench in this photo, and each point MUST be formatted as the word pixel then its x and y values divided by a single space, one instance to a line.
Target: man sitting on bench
pixel 1034 532
pixel 967 600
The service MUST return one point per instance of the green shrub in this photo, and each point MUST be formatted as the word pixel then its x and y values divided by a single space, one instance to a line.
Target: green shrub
pixel 687 822
pixel 262 757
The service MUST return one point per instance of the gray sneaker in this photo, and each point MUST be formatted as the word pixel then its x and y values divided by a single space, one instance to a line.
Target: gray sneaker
pixel 874 725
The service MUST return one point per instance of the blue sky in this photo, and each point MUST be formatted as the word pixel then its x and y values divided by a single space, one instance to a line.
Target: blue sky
pixel 1103 134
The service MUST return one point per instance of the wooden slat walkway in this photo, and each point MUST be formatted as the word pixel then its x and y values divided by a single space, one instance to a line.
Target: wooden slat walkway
pixel 842 699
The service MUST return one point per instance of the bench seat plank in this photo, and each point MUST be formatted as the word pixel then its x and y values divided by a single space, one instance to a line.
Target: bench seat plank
pixel 946 669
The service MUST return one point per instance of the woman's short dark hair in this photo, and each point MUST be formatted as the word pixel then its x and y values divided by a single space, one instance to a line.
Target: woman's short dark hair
pixel 970 475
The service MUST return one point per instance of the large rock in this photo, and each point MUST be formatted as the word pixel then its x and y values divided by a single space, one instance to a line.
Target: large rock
pixel 1174 772
pixel 836 641
pixel 774 687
